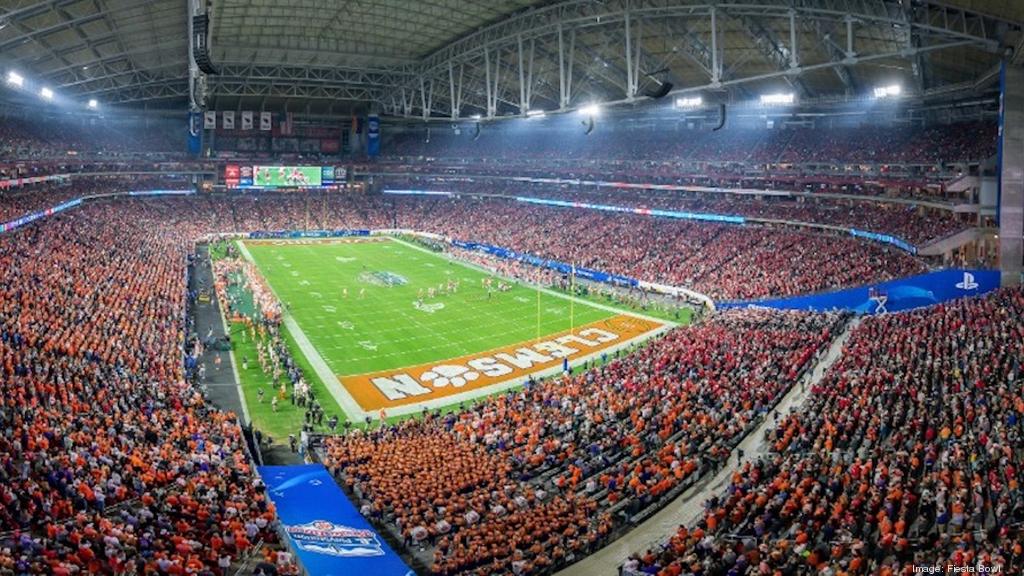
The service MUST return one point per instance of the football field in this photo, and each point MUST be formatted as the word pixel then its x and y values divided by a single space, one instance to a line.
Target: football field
pixel 390 326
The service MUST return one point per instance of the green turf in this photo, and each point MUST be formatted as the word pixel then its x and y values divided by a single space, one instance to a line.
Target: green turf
pixel 382 329
pixel 403 335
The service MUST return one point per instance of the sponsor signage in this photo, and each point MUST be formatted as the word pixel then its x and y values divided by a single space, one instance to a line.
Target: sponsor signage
pixel 893 296
pixel 244 176
pixel 328 534
pixel 232 175
pixel 404 386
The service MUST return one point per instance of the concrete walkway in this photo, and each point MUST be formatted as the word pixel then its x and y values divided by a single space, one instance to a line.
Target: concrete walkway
pixel 221 382
pixel 689 506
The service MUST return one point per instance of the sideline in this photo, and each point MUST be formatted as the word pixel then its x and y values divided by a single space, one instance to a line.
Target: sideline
pixel 234 366
pixel 345 401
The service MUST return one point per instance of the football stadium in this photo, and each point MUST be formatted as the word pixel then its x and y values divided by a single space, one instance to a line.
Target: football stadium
pixel 511 287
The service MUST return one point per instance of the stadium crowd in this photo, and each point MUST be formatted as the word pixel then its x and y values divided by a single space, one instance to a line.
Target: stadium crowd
pixel 530 479
pixel 110 460
pixel 675 142
pixel 17 202
pixel 908 453
pixel 915 224
pixel 720 260
pixel 723 261
pixel 41 138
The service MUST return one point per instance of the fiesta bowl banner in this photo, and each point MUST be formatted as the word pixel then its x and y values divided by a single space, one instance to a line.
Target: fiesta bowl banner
pixel 893 296
pixel 329 536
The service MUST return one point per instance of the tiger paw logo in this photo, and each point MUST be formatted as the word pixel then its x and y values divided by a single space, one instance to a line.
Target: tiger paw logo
pixel 449 375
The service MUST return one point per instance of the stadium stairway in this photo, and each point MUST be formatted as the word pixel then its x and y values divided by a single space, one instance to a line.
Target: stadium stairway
pixel 689 506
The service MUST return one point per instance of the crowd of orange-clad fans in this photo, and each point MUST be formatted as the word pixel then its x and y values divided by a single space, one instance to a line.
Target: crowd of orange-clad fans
pixel 531 479
pixel 110 460
pixel 907 454
pixel 912 223
pixel 724 261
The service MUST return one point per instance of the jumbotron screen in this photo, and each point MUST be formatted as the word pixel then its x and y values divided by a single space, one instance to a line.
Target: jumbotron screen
pixel 282 176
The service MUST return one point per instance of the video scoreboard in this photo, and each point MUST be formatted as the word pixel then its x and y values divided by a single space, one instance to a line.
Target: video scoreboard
pixel 261 176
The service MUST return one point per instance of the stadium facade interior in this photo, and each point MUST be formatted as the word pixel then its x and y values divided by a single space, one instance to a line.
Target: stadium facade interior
pixel 512 287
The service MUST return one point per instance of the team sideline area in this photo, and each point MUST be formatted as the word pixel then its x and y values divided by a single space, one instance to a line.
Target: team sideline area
pixel 511 288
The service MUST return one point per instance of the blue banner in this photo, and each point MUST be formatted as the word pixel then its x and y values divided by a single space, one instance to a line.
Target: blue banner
pixel 261 234
pixel 195 133
pixel 585 273
pixel 328 534
pixel 645 211
pixel 885 238
pixel 19 222
pixel 162 193
pixel 418 192
pixel 373 135
pixel 892 296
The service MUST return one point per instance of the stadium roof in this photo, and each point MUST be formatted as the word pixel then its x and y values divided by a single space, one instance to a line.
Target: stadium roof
pixel 447 58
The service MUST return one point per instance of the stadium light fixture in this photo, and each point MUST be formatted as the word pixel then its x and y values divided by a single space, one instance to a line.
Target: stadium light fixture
pixel 695 102
pixel 535 113
pixel 591 110
pixel 93 104
pixel 46 93
pixel 890 91
pixel 775 99
pixel 15 79
pixel 476 116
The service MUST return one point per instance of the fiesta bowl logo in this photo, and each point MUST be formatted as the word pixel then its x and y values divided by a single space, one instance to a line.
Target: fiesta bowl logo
pixel 387 279
pixel 324 537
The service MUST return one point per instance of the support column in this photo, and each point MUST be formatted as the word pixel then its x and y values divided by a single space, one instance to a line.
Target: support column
pixel 1011 175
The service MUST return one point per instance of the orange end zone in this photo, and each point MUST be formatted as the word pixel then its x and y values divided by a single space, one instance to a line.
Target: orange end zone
pixel 414 384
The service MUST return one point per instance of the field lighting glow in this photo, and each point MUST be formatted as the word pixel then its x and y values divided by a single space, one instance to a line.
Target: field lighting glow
pixel 15 79
pixel 93 104
pixel 695 102
pixel 773 99
pixel 591 110
pixel 888 91
pixel 535 113
pixel 46 93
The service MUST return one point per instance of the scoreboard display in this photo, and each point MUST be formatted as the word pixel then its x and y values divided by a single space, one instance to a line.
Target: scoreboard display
pixel 259 176
pixel 287 176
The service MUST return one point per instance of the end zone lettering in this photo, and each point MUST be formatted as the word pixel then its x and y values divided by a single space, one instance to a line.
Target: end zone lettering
pixel 398 387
